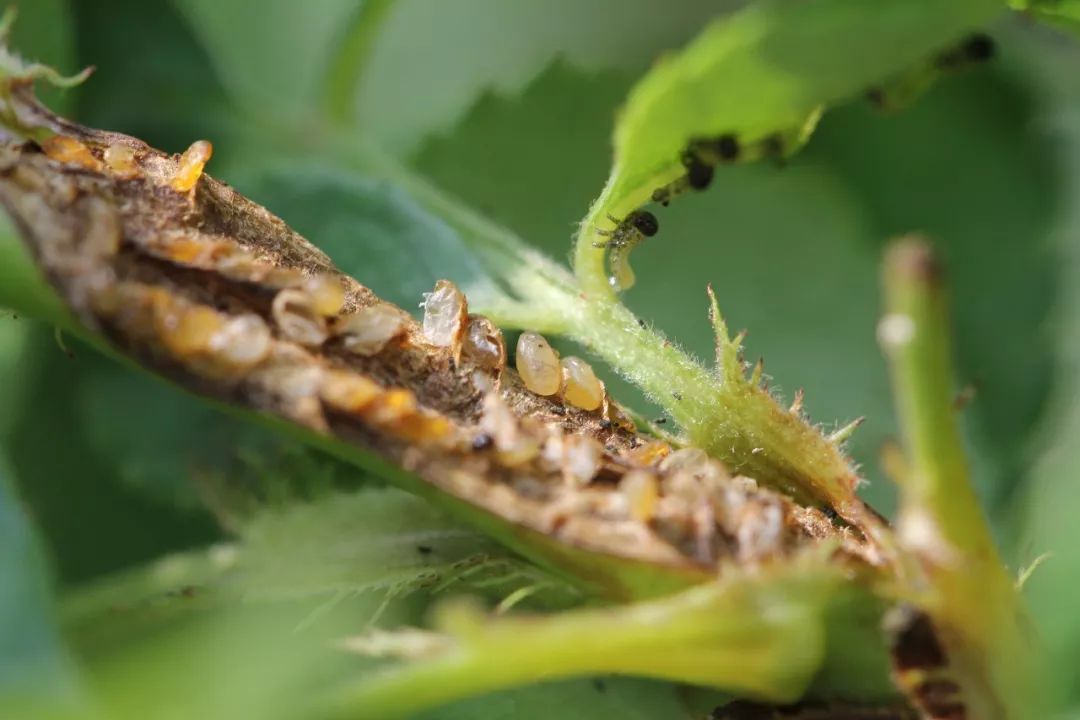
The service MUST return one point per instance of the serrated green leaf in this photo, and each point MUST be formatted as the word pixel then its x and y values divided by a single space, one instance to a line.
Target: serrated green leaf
pixel 366 541
pixel 485 46
pixel 477 44
pixel 382 544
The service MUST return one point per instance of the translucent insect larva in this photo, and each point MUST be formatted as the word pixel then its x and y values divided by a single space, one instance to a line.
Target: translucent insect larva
pixel 392 406
pixel 642 492
pixel 445 312
pixel 190 166
pixel 103 233
pixel 241 343
pixel 186 330
pixel 690 460
pixel 369 330
pixel 628 233
pixel 976 48
pixel 581 387
pixel 698 174
pixel 725 147
pixel 979 47
pixel 582 457
pixel 538 364
pixel 650 453
pixel 70 151
pixel 484 344
pixel 120 159
pixel 774 148
pixel 348 392
pixel 512 445
pixel 326 293
pixel 297 319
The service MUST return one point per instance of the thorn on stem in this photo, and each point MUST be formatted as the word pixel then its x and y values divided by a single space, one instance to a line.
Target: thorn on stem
pixel 759 369
pixel 844 434
pixel 797 403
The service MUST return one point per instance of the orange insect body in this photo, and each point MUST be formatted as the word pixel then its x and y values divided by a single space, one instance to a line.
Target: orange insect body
pixel 70 151
pixel 190 166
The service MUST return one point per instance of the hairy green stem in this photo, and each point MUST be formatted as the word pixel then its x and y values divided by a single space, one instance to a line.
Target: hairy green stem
pixel 761 634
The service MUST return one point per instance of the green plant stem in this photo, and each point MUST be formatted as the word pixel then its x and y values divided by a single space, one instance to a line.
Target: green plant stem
pixel 965 586
pixel 761 634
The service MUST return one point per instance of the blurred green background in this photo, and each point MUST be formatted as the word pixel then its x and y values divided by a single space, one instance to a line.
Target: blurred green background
pixel 509 106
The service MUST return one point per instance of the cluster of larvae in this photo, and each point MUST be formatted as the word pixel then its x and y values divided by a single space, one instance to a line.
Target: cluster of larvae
pixel 899 92
pixel 700 159
pixel 211 290
pixel 701 156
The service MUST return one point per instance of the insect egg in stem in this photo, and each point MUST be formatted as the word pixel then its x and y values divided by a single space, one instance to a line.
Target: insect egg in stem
pixel 445 316
pixel 581 388
pixel 538 364
pixel 190 166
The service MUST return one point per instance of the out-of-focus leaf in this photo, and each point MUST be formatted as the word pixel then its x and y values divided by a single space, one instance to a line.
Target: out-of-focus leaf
pixel 173 447
pixel 153 80
pixel 381 544
pixel 371 230
pixel 13 336
pixel 157 438
pixel 510 154
pixel 36 670
pixel 240 662
pixel 91 522
pixel 476 44
pixel 270 54
pixel 927 170
pixel 1051 503
pixel 372 540
pixel 44 33
pixel 481 45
